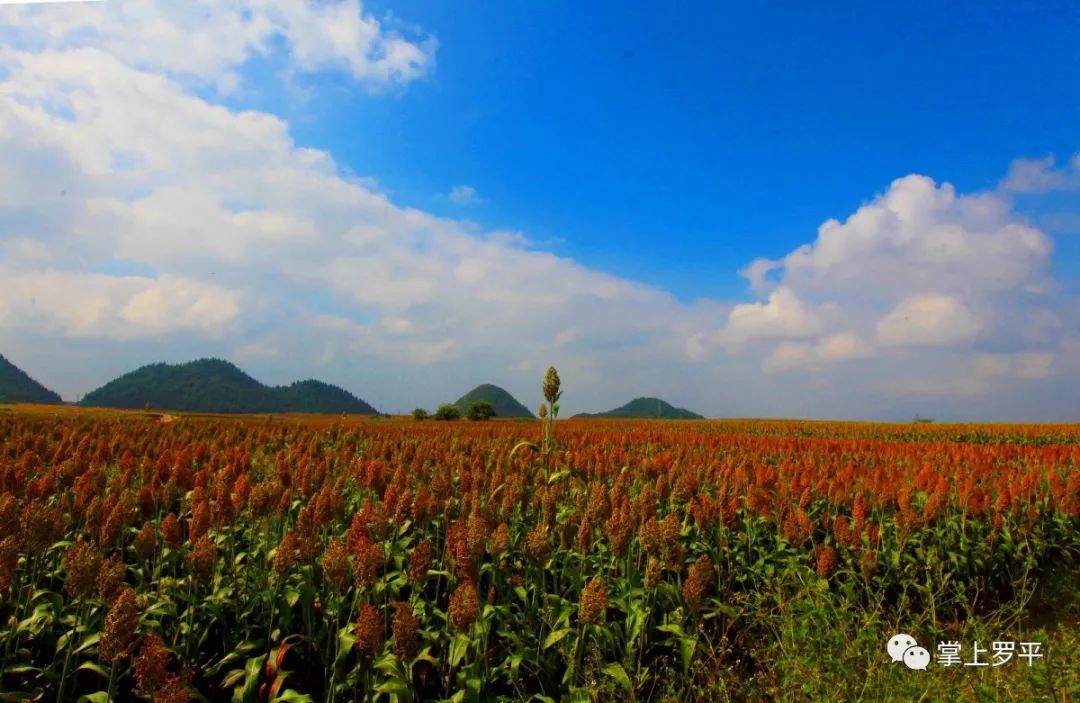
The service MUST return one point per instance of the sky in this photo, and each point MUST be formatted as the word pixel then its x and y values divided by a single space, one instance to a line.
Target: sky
pixel 766 210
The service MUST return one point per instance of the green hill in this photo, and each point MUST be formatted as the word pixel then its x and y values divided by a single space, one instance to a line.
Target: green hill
pixel 216 386
pixel 505 404
pixel 647 408
pixel 17 387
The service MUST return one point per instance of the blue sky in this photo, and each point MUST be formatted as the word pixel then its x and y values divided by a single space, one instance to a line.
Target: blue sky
pixel 767 209
pixel 647 141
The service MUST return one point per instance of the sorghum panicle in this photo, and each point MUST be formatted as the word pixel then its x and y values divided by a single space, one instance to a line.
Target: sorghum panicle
pixel 335 563
pixel 285 556
pixel 653 572
pixel 594 601
pixel 369 630
pixel 203 558
pixel 552 384
pixel 419 563
pixel 83 562
pixel 697 583
pixel 110 578
pixel 170 532
pixel 367 558
pixel 464 606
pixel 826 561
pixel 118 636
pixel 9 560
pixel 406 631
pixel 151 666
pixel 146 542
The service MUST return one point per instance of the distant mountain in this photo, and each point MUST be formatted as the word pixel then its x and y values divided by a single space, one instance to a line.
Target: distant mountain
pixel 505 404
pixel 216 386
pixel 17 387
pixel 647 408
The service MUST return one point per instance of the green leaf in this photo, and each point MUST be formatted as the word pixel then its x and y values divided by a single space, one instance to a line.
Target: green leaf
pixel 395 686
pixel 96 668
pixel 62 642
pixel 617 672
pixel 636 620
pixel 239 652
pixel 555 635
pixel 473 685
pixel 90 641
pixel 159 607
pixel 388 664
pixel 523 445
pixel 425 655
pixel 687 645
pixel 247 692
pixel 459 646
pixel 96 697
pixel 232 678
pixel 20 669
pixel 557 476
pixel 346 642
pixel 291 696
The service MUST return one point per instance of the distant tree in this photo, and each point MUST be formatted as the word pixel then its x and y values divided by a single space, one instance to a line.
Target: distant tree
pixel 448 411
pixel 480 410
pixel 420 414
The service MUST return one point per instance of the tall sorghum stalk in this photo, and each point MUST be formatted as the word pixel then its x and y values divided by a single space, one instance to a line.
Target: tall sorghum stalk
pixel 72 643
pixel 548 412
pixel 24 602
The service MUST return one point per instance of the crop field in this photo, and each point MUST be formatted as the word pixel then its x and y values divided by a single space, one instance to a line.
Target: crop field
pixel 260 559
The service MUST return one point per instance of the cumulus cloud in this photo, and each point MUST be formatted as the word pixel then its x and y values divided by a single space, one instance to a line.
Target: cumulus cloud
pixel 918 236
pixel 258 349
pixel 928 321
pixel 209 40
pixel 830 349
pixel 783 315
pixel 968 376
pixel 135 207
pixel 919 270
pixel 1041 175
pixel 74 304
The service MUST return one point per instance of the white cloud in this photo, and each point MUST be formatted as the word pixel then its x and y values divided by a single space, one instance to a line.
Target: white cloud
pixel 783 315
pixel 831 349
pixel 928 321
pixel 929 276
pixel 464 195
pixel 135 208
pixel 259 349
pixel 919 237
pixel 1025 365
pixel 118 307
pixel 209 40
pixel 1041 175
pixel 964 376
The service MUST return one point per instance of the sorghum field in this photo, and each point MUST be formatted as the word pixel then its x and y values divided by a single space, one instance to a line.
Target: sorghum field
pixel 361 559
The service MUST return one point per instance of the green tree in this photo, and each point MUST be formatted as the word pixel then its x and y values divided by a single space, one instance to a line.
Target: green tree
pixel 420 414
pixel 448 411
pixel 481 410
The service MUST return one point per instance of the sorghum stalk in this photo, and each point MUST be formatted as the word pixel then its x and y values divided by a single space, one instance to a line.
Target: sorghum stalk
pixel 67 654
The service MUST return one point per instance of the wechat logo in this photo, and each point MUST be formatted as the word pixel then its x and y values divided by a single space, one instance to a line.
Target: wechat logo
pixel 904 648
